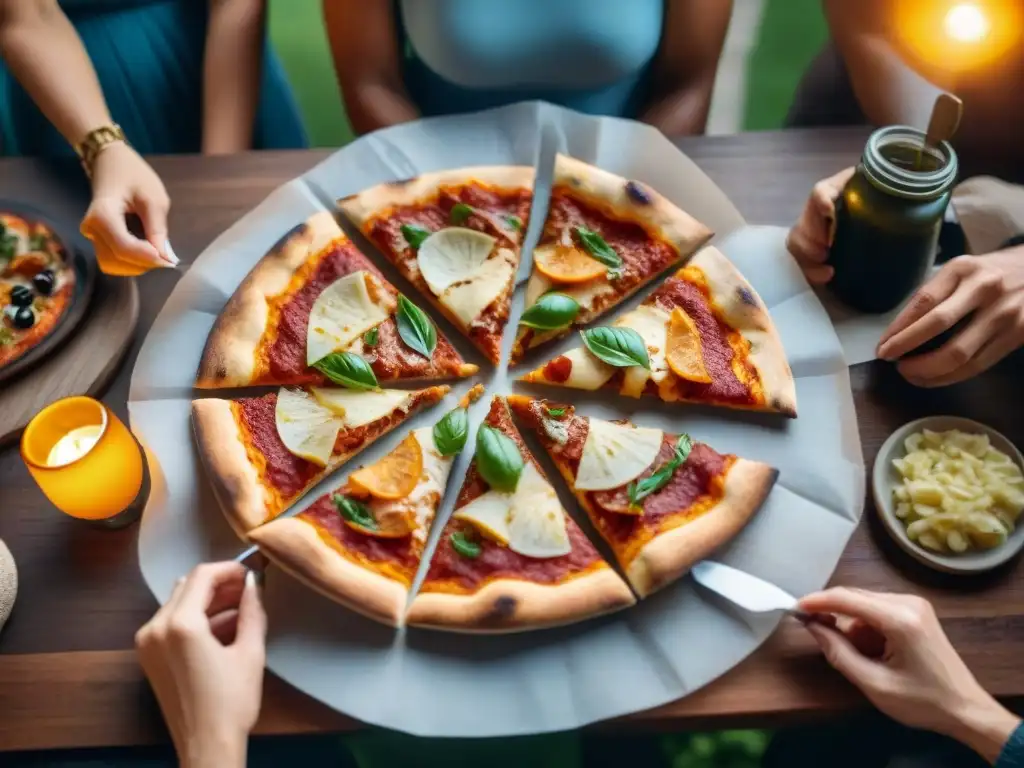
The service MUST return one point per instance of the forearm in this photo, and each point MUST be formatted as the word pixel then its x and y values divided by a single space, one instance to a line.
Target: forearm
pixel 682 111
pixel 985 726
pixel 372 105
pixel 232 67
pixel 45 54
pixel 888 90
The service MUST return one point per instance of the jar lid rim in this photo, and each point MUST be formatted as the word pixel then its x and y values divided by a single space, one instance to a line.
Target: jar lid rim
pixel 908 182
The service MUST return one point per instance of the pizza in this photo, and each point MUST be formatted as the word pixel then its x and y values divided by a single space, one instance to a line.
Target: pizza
pixel 604 238
pixel 703 336
pixel 455 235
pixel 662 501
pixel 37 283
pixel 313 307
pixel 510 558
pixel 361 544
pixel 263 453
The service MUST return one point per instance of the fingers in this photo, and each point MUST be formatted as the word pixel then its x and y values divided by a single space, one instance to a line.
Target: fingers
pixel 252 619
pixel 894 342
pixel 866 606
pixel 990 354
pixel 202 584
pixel 810 239
pixel 841 654
pixel 153 213
pixel 105 222
pixel 224 626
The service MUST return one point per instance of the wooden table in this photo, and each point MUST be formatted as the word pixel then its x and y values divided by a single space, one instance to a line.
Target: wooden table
pixel 68 676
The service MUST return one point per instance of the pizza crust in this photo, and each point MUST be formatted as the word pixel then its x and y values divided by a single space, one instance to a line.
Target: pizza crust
pixel 657 213
pixel 229 357
pixel 298 549
pixel 236 484
pixel 671 554
pixel 743 310
pixel 365 205
pixel 513 605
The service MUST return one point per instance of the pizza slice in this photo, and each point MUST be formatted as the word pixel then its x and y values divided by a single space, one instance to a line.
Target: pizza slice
pixel 510 558
pixel 456 236
pixel 662 501
pixel 263 453
pixel 315 302
pixel 604 238
pixel 361 544
pixel 703 336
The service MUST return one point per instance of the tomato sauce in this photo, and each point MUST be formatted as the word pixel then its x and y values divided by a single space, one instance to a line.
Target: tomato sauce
pixel 402 552
pixel 450 571
pixel 390 358
pixel 558 370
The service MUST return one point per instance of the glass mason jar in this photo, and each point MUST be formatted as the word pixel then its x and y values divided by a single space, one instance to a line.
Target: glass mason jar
pixel 888 219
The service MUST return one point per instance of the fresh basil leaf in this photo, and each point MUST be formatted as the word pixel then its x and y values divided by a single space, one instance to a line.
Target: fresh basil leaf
pixel 414 235
pixel 683 447
pixel 371 337
pixel 465 546
pixel 8 246
pixel 621 347
pixel 552 311
pixel 354 511
pixel 348 370
pixel 598 247
pixel 515 222
pixel 498 459
pixel 37 242
pixel 415 328
pixel 451 431
pixel 556 412
pixel 459 213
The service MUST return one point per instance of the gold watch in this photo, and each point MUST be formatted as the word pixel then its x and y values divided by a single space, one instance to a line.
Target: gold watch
pixel 95 141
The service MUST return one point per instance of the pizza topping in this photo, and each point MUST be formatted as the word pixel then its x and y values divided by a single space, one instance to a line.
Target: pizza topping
pixel 343 312
pixel 529 521
pixel 599 249
pixel 567 264
pixel 553 311
pixel 468 300
pixel 414 235
pixel 684 354
pixel 307 428
pixel 617 346
pixel 21 296
pixel 415 328
pixel 464 545
pixel 396 475
pixel 639 490
pixel 614 454
pixel 358 407
pixel 450 433
pixel 459 214
pixel 650 322
pixel 453 255
pixel 515 223
pixel 354 512
pixel 21 318
pixel 498 459
pixel 348 369
pixel 8 243
pixel 372 337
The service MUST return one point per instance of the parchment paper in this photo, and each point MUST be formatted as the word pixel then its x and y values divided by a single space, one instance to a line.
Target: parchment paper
pixel 441 684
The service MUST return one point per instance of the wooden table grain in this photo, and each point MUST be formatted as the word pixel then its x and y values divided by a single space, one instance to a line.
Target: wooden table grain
pixel 68 676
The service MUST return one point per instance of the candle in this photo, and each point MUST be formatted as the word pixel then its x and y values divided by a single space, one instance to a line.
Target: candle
pixel 83 458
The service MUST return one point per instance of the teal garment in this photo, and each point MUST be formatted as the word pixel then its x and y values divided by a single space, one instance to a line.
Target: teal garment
pixel 1012 755
pixel 148 55
pixel 593 56
pixel 377 748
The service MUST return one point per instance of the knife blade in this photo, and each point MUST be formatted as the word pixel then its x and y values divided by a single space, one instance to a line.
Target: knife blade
pixel 746 591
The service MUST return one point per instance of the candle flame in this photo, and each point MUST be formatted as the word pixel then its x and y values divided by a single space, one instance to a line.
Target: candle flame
pixel 966 23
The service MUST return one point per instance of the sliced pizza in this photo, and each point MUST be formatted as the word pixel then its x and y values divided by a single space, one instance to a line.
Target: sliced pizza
pixel 37 283
pixel 456 236
pixel 662 501
pixel 263 453
pixel 313 300
pixel 604 238
pixel 703 336
pixel 361 544
pixel 510 558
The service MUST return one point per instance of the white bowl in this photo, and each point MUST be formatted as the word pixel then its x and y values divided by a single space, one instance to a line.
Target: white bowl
pixel 884 478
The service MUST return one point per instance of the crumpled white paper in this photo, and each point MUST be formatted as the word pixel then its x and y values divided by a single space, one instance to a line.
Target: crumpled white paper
pixel 441 684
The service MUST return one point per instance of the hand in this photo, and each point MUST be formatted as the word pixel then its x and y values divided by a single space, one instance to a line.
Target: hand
pixel 893 649
pixel 203 653
pixel 810 239
pixel 123 183
pixel 992 288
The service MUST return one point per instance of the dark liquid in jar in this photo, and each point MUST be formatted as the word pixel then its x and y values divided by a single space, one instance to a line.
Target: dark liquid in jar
pixel 884 244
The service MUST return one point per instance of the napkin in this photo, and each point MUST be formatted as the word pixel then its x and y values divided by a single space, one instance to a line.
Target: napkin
pixel 990 212
pixel 8 583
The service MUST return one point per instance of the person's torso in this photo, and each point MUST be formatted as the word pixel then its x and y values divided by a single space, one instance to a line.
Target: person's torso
pixel 591 55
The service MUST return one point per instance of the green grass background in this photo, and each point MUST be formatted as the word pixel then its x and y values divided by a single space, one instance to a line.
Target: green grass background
pixel 792 32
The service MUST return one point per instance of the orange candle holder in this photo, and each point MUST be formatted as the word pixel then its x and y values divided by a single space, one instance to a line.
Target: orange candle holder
pixel 85 460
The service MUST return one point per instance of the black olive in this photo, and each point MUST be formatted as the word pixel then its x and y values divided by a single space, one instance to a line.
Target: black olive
pixel 24 318
pixel 43 282
pixel 21 296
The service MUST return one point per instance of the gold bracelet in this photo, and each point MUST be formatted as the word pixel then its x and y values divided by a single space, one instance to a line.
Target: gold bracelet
pixel 95 141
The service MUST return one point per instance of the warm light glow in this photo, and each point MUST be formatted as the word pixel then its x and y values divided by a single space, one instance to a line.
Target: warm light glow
pixel 966 23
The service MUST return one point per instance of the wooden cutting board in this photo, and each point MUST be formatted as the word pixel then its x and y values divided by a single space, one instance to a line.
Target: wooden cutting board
pixel 82 365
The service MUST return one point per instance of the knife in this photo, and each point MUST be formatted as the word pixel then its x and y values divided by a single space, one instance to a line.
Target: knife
pixel 751 593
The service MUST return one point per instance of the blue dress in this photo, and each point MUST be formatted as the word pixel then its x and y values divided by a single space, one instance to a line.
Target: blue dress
pixel 148 55
pixel 593 56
